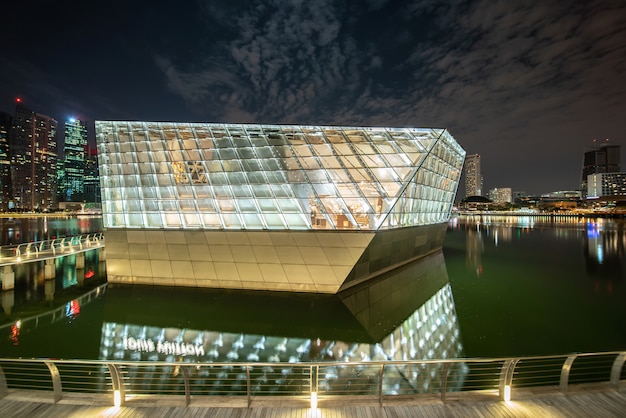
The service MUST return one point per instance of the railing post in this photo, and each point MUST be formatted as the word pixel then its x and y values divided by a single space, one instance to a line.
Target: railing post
pixel 616 370
pixel 380 384
pixel 119 395
pixel 444 382
pixel 506 378
pixel 565 372
pixel 4 388
pixel 56 381
pixel 187 385
pixel 248 385
pixel 314 371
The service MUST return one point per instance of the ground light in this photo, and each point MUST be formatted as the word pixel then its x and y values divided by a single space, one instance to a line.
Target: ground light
pixel 507 393
pixel 117 398
pixel 313 400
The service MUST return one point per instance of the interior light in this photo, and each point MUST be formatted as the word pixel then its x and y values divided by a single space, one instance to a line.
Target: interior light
pixel 313 400
pixel 507 393
pixel 117 398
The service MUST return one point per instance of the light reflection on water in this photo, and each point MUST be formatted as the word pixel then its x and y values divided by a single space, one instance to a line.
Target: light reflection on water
pixel 504 288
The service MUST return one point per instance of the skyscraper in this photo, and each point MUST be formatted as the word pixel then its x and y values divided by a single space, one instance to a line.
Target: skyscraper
pixel 92 177
pixel 72 187
pixel 602 158
pixel 5 161
pixel 473 178
pixel 33 154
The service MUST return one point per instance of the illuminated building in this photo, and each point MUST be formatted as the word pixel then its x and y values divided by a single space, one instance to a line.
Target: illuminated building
pixel 5 161
pixel 473 177
pixel 290 208
pixel 92 177
pixel 607 186
pixel 73 184
pixel 501 195
pixel 603 158
pixel 33 151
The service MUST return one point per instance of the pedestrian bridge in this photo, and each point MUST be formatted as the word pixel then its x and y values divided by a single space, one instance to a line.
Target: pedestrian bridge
pixel 48 250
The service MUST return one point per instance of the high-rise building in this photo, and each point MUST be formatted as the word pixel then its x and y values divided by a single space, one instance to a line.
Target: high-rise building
pixel 473 177
pixel 501 195
pixel 5 161
pixel 33 153
pixel 72 183
pixel 602 158
pixel 606 185
pixel 92 177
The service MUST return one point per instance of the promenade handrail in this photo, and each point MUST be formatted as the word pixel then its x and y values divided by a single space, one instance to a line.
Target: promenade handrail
pixel 128 381
pixel 37 250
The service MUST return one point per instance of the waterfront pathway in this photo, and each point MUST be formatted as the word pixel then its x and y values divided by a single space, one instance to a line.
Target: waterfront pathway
pixel 587 401
pixel 49 249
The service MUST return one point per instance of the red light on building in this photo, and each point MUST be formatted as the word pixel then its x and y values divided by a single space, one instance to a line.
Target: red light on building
pixel 18 100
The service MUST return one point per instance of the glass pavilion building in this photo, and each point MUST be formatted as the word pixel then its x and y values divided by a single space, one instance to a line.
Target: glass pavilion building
pixel 271 207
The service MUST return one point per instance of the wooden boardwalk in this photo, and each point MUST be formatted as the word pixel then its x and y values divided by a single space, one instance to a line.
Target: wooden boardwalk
pixel 586 401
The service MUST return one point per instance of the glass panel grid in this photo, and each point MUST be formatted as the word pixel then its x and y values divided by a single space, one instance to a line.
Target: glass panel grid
pixel 170 175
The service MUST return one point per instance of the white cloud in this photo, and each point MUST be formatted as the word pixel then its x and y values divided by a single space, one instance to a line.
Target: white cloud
pixel 502 72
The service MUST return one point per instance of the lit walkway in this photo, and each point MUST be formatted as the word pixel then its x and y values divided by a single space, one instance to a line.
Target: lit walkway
pixel 584 401
pixel 44 250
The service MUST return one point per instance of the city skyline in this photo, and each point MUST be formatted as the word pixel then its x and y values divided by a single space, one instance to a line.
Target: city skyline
pixel 528 87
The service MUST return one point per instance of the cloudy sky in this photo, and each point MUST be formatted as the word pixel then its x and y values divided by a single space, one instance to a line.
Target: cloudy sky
pixel 528 85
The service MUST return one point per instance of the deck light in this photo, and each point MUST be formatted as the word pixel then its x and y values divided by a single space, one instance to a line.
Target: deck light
pixel 313 400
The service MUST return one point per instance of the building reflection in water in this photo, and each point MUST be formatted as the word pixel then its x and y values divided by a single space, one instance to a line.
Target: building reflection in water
pixel 408 314
pixel 604 240
pixel 475 248
pixel 33 286
pixel 603 245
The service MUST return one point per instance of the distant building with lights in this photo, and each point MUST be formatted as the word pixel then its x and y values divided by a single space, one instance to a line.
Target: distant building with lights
pixel 501 195
pixel 5 161
pixel 92 177
pixel 72 180
pixel 604 157
pixel 271 207
pixel 473 176
pixel 33 155
pixel 607 186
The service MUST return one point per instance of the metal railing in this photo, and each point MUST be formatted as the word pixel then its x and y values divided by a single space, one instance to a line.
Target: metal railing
pixel 123 382
pixel 39 250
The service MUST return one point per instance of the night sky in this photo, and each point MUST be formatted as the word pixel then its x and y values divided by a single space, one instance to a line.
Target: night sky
pixel 527 84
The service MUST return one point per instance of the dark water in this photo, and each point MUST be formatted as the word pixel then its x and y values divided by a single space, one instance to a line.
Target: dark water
pixel 500 287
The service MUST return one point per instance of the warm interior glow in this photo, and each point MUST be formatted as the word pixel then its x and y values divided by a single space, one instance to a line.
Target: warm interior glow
pixel 507 393
pixel 117 398
pixel 313 400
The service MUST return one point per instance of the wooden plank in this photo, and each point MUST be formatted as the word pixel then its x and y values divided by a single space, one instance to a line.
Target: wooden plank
pixel 607 403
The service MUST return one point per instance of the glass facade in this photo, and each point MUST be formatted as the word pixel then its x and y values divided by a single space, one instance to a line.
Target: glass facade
pixel 73 184
pixel 275 177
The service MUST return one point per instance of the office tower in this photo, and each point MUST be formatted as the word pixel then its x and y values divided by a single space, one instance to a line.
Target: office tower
pixel 5 161
pixel 473 177
pixel 606 185
pixel 92 177
pixel 501 195
pixel 271 207
pixel 602 158
pixel 33 153
pixel 72 185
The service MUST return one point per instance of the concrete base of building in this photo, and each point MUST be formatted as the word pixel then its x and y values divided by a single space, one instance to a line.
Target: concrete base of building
pixel 294 261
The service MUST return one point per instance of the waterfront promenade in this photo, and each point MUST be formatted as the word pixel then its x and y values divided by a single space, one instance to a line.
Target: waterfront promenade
pixel 587 401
